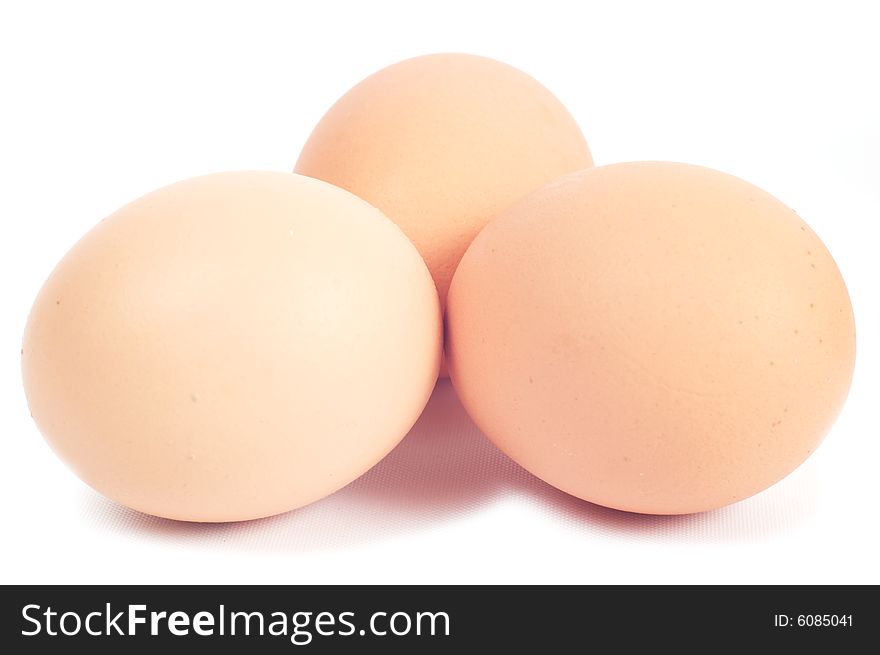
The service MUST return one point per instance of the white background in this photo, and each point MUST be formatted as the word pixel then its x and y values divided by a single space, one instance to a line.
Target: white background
pixel 100 103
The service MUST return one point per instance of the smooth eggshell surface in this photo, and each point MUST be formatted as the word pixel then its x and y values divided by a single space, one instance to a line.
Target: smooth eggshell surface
pixel 653 337
pixel 441 144
pixel 232 346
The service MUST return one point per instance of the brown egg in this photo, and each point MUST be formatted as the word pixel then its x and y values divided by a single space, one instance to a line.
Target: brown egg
pixel 443 143
pixel 653 337
pixel 232 346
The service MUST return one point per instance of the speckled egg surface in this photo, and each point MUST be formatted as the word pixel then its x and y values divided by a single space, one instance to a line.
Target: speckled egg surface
pixel 653 337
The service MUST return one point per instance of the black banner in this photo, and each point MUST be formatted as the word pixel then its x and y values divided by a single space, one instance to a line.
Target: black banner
pixel 334 619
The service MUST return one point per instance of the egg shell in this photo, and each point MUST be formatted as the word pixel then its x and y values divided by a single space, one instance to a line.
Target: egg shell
pixel 653 337
pixel 232 346
pixel 443 143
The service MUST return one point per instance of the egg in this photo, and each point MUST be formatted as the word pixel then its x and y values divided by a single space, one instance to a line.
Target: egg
pixel 232 346
pixel 653 337
pixel 441 144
